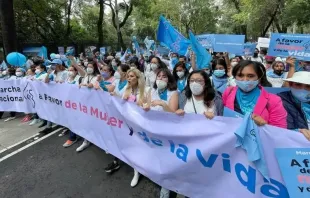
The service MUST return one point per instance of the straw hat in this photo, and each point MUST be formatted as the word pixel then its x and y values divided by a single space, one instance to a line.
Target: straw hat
pixel 302 77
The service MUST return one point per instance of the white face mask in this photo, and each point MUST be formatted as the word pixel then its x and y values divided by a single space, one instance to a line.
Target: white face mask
pixel 233 64
pixel 18 74
pixel 85 64
pixel 71 73
pixel 37 71
pixel 180 74
pixel 161 84
pixel 117 75
pixel 4 73
pixel 89 70
pixel 114 64
pixel 196 88
pixel 154 66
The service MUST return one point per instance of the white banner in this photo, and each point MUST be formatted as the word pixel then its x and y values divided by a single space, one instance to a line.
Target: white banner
pixel 190 155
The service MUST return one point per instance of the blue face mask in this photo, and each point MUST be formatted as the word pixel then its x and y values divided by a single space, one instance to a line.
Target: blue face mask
pixel 247 86
pixel 219 73
pixel 104 74
pixel 301 94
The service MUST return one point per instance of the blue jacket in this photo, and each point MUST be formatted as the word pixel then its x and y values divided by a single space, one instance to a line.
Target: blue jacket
pixel 217 101
pixel 296 119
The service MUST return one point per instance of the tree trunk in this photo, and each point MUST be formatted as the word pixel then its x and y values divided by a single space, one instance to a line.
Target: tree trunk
pixel 100 24
pixel 8 26
pixel 69 20
pixel 120 40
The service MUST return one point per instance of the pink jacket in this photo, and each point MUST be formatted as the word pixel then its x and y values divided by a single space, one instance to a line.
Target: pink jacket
pixel 268 106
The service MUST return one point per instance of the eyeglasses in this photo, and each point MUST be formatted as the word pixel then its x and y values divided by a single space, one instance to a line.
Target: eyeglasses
pixel 199 81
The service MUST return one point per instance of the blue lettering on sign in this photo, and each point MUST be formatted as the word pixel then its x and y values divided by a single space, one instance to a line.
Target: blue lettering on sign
pixel 246 176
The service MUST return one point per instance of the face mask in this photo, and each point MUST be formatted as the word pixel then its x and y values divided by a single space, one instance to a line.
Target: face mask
pixel 196 88
pixel 19 74
pixel 174 59
pixel 105 74
pixel 180 74
pixel 161 84
pixel 37 71
pixel 233 64
pixel 154 66
pixel 301 94
pixel 4 73
pixel 85 64
pixel 117 75
pixel 71 73
pixel 89 70
pixel 278 72
pixel 114 64
pixel 219 73
pixel 247 86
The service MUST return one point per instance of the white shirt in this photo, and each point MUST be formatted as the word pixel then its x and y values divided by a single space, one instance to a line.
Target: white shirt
pixel 75 81
pixel 277 82
pixel 155 96
pixel 257 59
pixel 60 76
pixel 89 79
pixel 150 79
pixel 41 77
pixel 199 105
pixel 117 91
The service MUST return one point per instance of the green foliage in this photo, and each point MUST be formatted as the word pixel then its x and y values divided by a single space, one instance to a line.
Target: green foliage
pixel 45 21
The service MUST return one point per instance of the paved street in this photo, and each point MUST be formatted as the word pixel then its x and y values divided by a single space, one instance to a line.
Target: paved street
pixel 46 169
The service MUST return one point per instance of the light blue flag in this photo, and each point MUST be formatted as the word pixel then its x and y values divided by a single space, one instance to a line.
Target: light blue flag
pixel 203 57
pixel 173 39
pixel 3 65
pixel 43 53
pixel 249 139
pixel 136 44
pixel 122 59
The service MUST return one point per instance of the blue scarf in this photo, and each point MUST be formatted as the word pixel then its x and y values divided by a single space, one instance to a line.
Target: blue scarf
pixel 271 74
pixel 38 75
pixel 220 84
pixel 121 85
pixel 103 85
pixel 306 109
pixel 247 101
pixel 163 95
pixel 181 84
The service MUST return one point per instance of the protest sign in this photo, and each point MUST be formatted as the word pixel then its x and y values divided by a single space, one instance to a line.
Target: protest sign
pixel 148 141
pixel 249 49
pixel 229 43
pixel 295 167
pixel 284 45
pixel 206 40
pixel 102 50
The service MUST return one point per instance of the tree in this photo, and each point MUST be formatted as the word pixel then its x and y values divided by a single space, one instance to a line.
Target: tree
pixel 125 9
pixel 100 23
pixel 8 26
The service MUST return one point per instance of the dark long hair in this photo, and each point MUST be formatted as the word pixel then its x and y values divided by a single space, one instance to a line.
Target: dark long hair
pixel 174 72
pixel 208 92
pixel 96 69
pixel 124 67
pixel 259 69
pixel 171 85
pixel 161 64
pixel 220 61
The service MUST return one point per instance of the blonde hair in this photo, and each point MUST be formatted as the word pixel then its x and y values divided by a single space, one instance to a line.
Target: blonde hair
pixel 141 86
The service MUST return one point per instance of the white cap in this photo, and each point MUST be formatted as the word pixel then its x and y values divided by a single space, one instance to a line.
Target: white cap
pixel 279 59
pixel 302 77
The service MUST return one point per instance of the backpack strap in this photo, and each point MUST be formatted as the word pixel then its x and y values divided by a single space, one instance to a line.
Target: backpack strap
pixel 80 80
